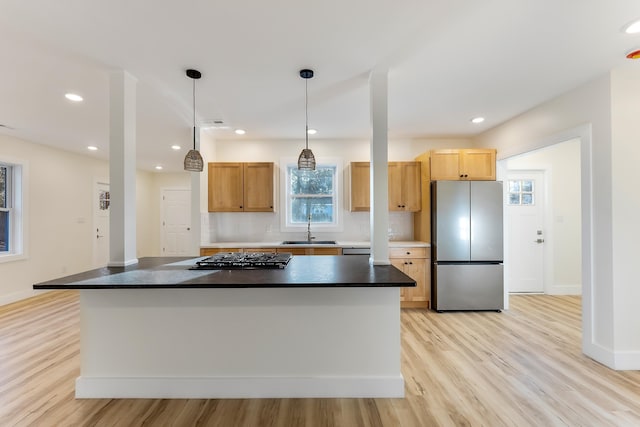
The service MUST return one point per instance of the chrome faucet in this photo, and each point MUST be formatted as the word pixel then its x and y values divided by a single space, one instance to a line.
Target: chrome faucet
pixel 309 237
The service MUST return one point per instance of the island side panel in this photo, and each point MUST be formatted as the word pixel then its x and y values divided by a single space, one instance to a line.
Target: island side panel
pixel 239 343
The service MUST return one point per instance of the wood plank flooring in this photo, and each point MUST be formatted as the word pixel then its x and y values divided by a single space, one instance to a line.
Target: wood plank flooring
pixel 522 367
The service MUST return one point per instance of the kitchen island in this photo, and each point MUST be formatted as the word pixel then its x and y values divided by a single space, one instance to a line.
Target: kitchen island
pixel 321 327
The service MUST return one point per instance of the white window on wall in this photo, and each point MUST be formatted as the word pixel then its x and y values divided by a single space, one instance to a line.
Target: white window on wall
pixel 10 210
pixel 312 196
pixel 5 207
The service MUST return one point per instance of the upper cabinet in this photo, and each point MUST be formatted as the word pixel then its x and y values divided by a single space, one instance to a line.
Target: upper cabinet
pixel 360 194
pixel 465 164
pixel 404 186
pixel 240 187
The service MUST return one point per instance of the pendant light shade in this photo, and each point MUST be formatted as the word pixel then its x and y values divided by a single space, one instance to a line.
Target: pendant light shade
pixel 306 160
pixel 193 160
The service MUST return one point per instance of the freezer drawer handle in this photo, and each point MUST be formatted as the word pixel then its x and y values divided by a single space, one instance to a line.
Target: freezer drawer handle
pixel 539 241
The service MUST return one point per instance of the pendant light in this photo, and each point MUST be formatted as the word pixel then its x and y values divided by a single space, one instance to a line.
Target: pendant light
pixel 306 161
pixel 193 160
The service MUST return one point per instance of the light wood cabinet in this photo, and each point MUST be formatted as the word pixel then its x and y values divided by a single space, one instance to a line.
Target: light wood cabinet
pixel 240 187
pixel 414 262
pixel 463 164
pixel 422 218
pixel 404 186
pixel 213 251
pixel 360 186
pixel 311 251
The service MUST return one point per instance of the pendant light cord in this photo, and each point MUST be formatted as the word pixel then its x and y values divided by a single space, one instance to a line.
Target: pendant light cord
pixel 194 114
pixel 306 114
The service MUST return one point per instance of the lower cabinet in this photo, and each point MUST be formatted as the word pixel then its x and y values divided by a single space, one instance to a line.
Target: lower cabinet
pixel 213 251
pixel 311 251
pixel 415 263
pixel 292 250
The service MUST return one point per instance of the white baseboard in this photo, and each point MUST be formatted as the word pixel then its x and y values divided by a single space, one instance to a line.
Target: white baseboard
pixel 122 263
pixel 617 360
pixel 238 387
pixel 17 296
pixel 570 289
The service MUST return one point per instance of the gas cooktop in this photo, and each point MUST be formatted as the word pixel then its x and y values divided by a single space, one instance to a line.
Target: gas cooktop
pixel 242 260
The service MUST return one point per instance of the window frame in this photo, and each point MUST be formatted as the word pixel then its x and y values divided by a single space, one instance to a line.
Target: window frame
pixel 16 197
pixel 286 224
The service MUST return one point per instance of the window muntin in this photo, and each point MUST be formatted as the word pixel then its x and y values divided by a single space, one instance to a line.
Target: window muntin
pixel 311 195
pixel 521 192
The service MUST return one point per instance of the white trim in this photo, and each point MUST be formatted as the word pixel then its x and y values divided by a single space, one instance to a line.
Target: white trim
pixel 18 296
pixel 338 224
pixel 565 289
pixel 584 134
pixel 19 212
pixel 239 387
pixel 122 263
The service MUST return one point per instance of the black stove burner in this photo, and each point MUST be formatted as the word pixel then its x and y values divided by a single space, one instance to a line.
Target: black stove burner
pixel 243 261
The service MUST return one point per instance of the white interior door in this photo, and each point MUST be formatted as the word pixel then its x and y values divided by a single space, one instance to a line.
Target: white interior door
pixel 524 255
pixel 101 208
pixel 176 222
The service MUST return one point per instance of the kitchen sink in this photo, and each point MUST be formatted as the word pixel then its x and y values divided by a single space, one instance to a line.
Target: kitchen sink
pixel 307 242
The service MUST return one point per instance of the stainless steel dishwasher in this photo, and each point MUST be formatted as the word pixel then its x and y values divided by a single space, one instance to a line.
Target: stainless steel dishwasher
pixel 356 251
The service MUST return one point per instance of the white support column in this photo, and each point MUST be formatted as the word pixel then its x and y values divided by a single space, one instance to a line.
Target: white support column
pixel 195 202
pixel 378 81
pixel 122 169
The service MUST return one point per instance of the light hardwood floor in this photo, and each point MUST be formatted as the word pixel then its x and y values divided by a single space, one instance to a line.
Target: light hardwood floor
pixel 522 367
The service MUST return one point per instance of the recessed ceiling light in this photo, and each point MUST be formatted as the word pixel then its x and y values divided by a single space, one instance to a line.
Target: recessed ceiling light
pixel 240 131
pixel 92 148
pixel 73 97
pixel 312 131
pixel 633 28
pixel 158 167
pixel 175 147
pixel 477 120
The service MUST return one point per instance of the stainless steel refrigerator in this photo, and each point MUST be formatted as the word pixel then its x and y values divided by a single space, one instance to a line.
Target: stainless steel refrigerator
pixel 466 245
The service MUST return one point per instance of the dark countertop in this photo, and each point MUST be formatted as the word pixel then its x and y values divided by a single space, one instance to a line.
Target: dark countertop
pixel 173 272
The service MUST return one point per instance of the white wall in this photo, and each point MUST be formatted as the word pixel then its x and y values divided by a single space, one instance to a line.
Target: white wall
pixel 265 227
pixel 59 222
pixel 609 153
pixel 561 163
pixel 626 205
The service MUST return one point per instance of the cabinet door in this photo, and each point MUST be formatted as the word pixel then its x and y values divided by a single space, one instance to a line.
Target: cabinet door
pixel 258 187
pixel 213 251
pixel 399 264
pixel 445 165
pixel 396 202
pixel 479 164
pixel 416 269
pixel 411 194
pixel 225 187
pixel 324 251
pixel 360 186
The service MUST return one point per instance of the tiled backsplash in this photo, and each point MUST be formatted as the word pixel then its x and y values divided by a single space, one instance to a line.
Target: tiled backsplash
pixel 265 227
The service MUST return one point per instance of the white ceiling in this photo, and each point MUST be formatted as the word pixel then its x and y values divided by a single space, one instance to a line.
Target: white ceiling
pixel 448 61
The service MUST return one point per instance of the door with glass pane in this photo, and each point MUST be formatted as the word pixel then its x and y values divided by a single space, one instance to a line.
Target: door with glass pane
pixel 101 208
pixel 524 256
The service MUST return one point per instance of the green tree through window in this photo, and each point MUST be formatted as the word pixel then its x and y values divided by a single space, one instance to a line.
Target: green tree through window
pixel 312 193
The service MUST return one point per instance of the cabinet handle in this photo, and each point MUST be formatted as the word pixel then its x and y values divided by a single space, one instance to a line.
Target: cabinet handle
pixel 240 207
pixel 408 253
